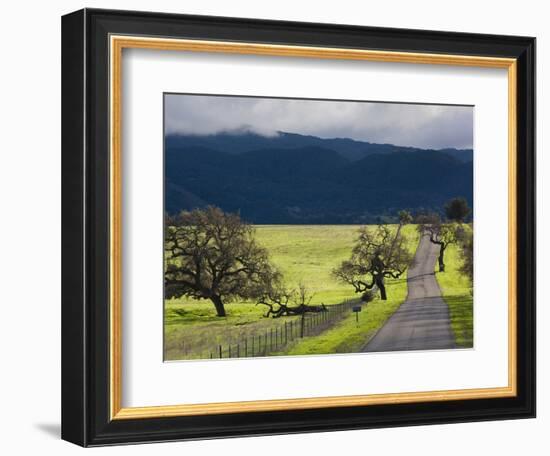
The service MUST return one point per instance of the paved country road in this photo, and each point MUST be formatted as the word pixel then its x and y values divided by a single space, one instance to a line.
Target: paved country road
pixel 422 321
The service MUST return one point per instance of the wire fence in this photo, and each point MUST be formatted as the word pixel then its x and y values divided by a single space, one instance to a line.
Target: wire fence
pixel 277 338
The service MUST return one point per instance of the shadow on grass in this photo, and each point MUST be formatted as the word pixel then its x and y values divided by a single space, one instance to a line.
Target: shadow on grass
pixel 180 315
pixel 462 318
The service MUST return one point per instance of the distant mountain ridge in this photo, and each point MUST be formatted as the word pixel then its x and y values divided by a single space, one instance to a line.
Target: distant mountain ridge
pixel 316 181
pixel 240 142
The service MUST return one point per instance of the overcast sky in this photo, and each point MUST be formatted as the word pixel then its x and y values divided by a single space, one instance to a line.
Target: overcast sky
pixel 425 126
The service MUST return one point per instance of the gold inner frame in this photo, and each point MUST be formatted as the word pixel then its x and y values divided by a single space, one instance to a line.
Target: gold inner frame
pixel 117 44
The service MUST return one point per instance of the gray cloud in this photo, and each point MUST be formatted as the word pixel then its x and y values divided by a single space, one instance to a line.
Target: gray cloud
pixel 426 126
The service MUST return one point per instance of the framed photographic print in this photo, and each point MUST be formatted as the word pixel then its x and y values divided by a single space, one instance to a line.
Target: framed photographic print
pixel 279 227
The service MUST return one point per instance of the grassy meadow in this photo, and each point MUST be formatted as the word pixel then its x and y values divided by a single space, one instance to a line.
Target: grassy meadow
pixel 349 335
pixel 305 254
pixel 456 290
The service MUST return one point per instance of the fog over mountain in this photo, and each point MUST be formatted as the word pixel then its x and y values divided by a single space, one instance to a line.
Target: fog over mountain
pixel 425 126
pixel 237 142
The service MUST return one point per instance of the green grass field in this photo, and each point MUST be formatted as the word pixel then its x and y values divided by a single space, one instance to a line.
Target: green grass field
pixel 349 335
pixel 304 254
pixel 457 293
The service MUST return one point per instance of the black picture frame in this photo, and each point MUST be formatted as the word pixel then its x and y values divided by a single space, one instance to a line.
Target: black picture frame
pixel 85 224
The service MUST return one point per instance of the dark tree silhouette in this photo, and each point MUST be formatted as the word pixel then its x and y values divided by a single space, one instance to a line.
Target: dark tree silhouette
pixel 378 253
pixel 442 234
pixel 212 255
pixel 283 302
pixel 457 210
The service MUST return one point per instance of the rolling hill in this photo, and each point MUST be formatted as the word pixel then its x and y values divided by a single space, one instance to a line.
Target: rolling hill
pixel 295 179
pixel 237 142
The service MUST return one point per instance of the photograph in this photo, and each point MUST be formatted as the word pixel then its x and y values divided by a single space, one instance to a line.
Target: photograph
pixel 287 223
pixel 300 227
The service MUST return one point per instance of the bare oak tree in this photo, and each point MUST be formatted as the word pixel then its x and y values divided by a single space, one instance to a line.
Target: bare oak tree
pixel 378 254
pixel 440 233
pixel 281 301
pixel 213 255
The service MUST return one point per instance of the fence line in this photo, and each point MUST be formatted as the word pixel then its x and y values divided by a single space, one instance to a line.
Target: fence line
pixel 274 339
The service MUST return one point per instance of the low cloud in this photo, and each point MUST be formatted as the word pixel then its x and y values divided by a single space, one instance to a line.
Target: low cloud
pixel 425 126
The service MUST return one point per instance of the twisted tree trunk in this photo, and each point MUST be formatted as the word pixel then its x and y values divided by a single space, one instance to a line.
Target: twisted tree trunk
pixel 380 284
pixel 440 259
pixel 218 304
